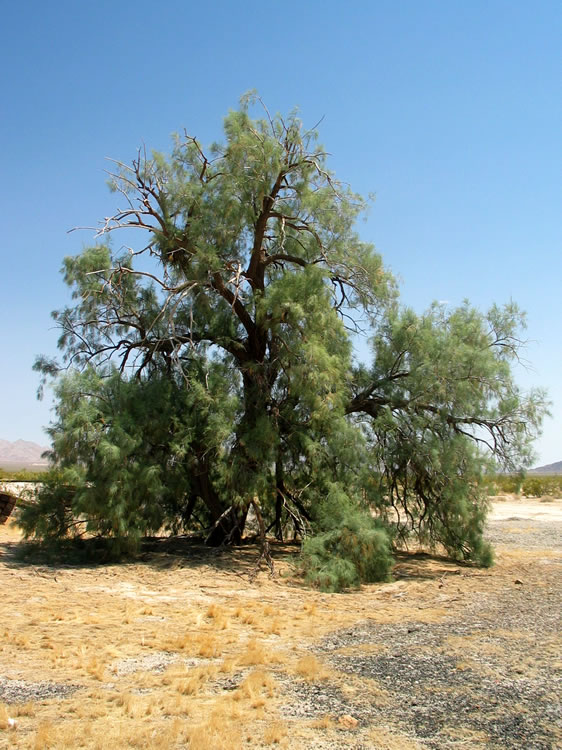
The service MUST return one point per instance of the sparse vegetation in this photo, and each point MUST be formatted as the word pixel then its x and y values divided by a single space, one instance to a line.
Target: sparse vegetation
pixel 531 485
pixel 182 651
pixel 540 486
pixel 21 475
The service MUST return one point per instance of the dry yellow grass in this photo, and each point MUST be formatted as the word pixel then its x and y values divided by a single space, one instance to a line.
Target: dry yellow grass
pixel 165 655
pixel 5 717
pixel 385 739
pixel 311 669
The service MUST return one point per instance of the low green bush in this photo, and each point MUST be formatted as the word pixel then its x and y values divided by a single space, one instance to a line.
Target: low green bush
pixel 358 551
pixel 533 485
pixel 21 475
pixel 541 486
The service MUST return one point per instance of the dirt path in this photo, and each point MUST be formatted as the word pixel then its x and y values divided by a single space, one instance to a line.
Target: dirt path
pixel 181 650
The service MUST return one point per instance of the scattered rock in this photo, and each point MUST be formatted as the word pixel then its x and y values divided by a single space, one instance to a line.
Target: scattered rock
pixel 21 691
pixel 157 662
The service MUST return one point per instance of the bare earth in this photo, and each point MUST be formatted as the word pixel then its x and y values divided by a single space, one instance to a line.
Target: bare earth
pixel 181 650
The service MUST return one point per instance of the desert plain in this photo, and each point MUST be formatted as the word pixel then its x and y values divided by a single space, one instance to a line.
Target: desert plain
pixel 187 647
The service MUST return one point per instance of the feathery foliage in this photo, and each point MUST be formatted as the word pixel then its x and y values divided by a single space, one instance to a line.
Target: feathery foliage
pixel 210 369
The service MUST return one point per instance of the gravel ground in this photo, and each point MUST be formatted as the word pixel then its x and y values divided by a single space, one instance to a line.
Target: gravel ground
pixel 155 662
pixel 522 532
pixel 485 672
pixel 432 690
pixel 487 676
pixel 21 691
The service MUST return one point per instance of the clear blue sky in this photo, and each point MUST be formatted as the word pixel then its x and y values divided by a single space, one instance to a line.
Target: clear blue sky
pixel 449 111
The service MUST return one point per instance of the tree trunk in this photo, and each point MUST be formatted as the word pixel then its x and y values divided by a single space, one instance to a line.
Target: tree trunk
pixel 279 500
pixel 228 529
pixel 228 522
pixel 204 489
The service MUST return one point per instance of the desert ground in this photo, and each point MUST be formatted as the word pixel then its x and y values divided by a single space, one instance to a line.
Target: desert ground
pixel 189 648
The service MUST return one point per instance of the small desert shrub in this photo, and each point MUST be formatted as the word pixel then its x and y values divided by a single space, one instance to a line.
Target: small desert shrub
pixel 534 485
pixel 21 475
pixel 542 486
pixel 502 484
pixel 357 551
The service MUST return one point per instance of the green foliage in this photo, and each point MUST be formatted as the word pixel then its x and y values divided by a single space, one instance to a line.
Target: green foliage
pixel 213 366
pixel 445 404
pixel 542 486
pixel 499 484
pixel 21 475
pixel 120 447
pixel 49 517
pixel 532 485
pixel 357 550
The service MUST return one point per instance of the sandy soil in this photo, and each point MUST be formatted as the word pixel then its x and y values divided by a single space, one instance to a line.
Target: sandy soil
pixel 537 509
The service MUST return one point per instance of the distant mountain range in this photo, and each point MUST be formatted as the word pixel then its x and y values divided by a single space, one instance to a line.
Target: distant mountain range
pixel 21 452
pixel 555 468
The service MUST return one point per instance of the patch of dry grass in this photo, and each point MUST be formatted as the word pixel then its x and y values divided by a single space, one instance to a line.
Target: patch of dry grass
pixel 384 738
pixel 311 669
pixel 167 655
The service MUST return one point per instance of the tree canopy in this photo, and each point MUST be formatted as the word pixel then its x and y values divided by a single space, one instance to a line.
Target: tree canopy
pixel 209 368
